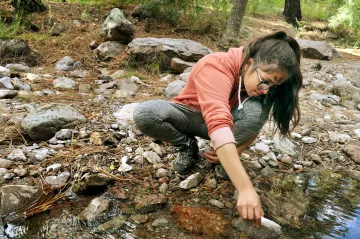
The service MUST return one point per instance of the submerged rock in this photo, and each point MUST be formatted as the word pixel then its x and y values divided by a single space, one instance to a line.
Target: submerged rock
pixel 96 207
pixel 268 229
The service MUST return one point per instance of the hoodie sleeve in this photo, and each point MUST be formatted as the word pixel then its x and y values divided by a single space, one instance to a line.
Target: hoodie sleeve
pixel 214 83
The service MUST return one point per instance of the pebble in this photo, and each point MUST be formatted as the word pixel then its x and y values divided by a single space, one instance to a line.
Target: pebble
pixel 357 132
pixel 161 172
pixel 9 176
pixel 295 135
pixel 164 188
pixel 161 222
pixel 337 137
pixel 273 163
pixel 21 172
pixel 114 126
pixel 4 163
pixel 212 183
pixel 316 158
pixel 128 149
pixel 64 134
pixel 286 159
pixel 53 168
pixel 308 140
pixel 298 166
pixel 191 182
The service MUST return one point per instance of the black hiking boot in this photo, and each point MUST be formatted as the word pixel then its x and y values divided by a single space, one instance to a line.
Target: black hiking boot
pixel 187 156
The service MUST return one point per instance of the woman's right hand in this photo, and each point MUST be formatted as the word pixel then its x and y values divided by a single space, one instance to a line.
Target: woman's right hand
pixel 249 206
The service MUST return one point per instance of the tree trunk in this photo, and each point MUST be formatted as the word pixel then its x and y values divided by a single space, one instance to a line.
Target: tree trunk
pixel 28 6
pixel 292 12
pixel 231 37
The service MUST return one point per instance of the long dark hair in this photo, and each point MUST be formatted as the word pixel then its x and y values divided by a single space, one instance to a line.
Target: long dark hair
pixel 278 51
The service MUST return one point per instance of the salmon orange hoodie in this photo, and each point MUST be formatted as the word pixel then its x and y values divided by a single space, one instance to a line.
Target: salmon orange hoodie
pixel 212 88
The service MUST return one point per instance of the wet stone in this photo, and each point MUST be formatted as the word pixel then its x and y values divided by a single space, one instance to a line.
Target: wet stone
pixel 139 219
pixel 268 229
pixel 96 207
pixel 201 220
pixel 112 225
pixel 150 203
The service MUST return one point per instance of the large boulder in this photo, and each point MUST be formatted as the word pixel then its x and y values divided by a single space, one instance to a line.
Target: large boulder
pixel 317 49
pixel 159 51
pixel 17 197
pixel 44 122
pixel 12 50
pixel 108 50
pixel 117 28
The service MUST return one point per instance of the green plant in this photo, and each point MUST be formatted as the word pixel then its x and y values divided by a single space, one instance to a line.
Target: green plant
pixel 347 19
pixel 10 30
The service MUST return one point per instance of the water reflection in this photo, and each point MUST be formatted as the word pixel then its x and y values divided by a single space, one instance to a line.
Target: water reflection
pixel 332 205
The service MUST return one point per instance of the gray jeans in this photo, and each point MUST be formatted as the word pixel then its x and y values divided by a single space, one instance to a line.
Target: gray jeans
pixel 177 124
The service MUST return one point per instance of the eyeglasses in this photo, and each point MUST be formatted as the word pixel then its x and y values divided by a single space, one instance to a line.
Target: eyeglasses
pixel 264 85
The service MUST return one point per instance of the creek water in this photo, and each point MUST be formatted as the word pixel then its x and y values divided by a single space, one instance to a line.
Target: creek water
pixel 328 206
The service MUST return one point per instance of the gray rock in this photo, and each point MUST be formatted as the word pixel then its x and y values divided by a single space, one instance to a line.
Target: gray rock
pixel 5 163
pixel 58 181
pixel 67 64
pixel 345 89
pixel 108 50
pixel 112 225
pixel 9 176
pixel 268 229
pixel 147 51
pixel 44 122
pixel 358 106
pixel 17 155
pixel 174 88
pixel 150 203
pixel 283 145
pixel 337 137
pixel 179 65
pixel 316 158
pixel 108 85
pixel 357 132
pixel 127 85
pixel 64 134
pixel 217 203
pixel 53 168
pixel 11 48
pixel 96 207
pixel 326 99
pixel 191 181
pixel 267 171
pixel 316 49
pixel 8 94
pixel 161 172
pixel 152 157
pixel 255 165
pixel 5 82
pixel 18 68
pixel 90 182
pixel 273 163
pixel 21 172
pixel 15 197
pixel 3 171
pixel 39 154
pixel 161 222
pixel 353 151
pixel 354 174
pixel 117 28
pixel 156 148
pixel 64 83
pixel 140 12
pixel 80 73
pixel 58 29
pixel 4 72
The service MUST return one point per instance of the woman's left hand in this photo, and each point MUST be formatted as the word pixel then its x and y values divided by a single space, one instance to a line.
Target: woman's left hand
pixel 211 156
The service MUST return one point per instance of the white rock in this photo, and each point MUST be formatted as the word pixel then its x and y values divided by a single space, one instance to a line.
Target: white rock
pixel 128 149
pixel 33 77
pixel 308 140
pixel 267 141
pixel 161 222
pixel 295 135
pixel 64 134
pixel 161 172
pixel 201 144
pixel 17 154
pixel 298 166
pixel 357 132
pixel 261 147
pixel 156 148
pixel 114 126
pixel 4 71
pixel 53 168
pixel 64 83
pixel 124 167
pixel 337 137
pixel 152 157
pixel 124 159
pixel 191 182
